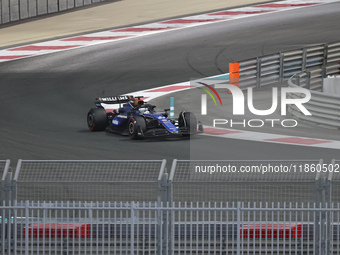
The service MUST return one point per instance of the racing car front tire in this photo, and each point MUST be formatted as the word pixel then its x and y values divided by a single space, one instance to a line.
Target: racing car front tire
pixel 188 120
pixel 136 127
pixel 97 119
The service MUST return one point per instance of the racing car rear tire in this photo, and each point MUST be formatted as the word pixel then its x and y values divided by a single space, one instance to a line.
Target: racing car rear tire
pixel 97 119
pixel 136 127
pixel 188 120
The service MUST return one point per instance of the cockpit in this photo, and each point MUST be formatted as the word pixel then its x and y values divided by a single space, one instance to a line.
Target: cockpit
pixel 144 110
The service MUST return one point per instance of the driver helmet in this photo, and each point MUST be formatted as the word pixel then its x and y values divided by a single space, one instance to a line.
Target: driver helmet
pixel 137 102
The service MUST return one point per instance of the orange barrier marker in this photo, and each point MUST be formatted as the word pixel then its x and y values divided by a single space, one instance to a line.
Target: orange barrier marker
pixel 234 74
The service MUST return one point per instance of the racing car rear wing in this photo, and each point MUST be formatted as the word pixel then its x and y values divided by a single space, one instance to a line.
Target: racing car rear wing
pixel 113 99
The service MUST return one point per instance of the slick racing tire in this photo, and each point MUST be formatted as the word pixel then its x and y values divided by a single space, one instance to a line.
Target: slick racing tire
pixel 97 119
pixel 136 127
pixel 189 121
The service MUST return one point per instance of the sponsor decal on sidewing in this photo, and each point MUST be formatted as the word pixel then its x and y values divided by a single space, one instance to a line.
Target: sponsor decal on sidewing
pixel 115 122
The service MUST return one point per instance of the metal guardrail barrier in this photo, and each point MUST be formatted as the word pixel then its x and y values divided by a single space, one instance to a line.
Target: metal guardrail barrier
pixel 325 108
pixel 273 68
pixel 305 68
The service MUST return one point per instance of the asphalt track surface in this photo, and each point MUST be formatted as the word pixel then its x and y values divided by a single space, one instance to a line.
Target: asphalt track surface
pixel 44 100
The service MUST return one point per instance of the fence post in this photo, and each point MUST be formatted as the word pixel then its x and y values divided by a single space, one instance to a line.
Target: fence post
pixel 14 216
pixel 3 226
pixel 258 72
pixel 14 190
pixel 132 228
pixel 322 190
pixel 10 235
pixel 308 77
pixel 304 59
pixel 317 216
pixel 6 224
pixel 324 75
pixel 26 226
pixel 330 205
pixel 322 221
pixel 15 179
pixel 4 186
pixel 238 226
pixel 325 55
pixel 159 228
pixel 166 215
pixel 330 183
pixel 281 71
pixel 164 190
pixel 6 183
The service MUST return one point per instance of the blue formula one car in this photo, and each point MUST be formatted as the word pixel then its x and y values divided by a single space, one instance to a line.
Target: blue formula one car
pixel 132 116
